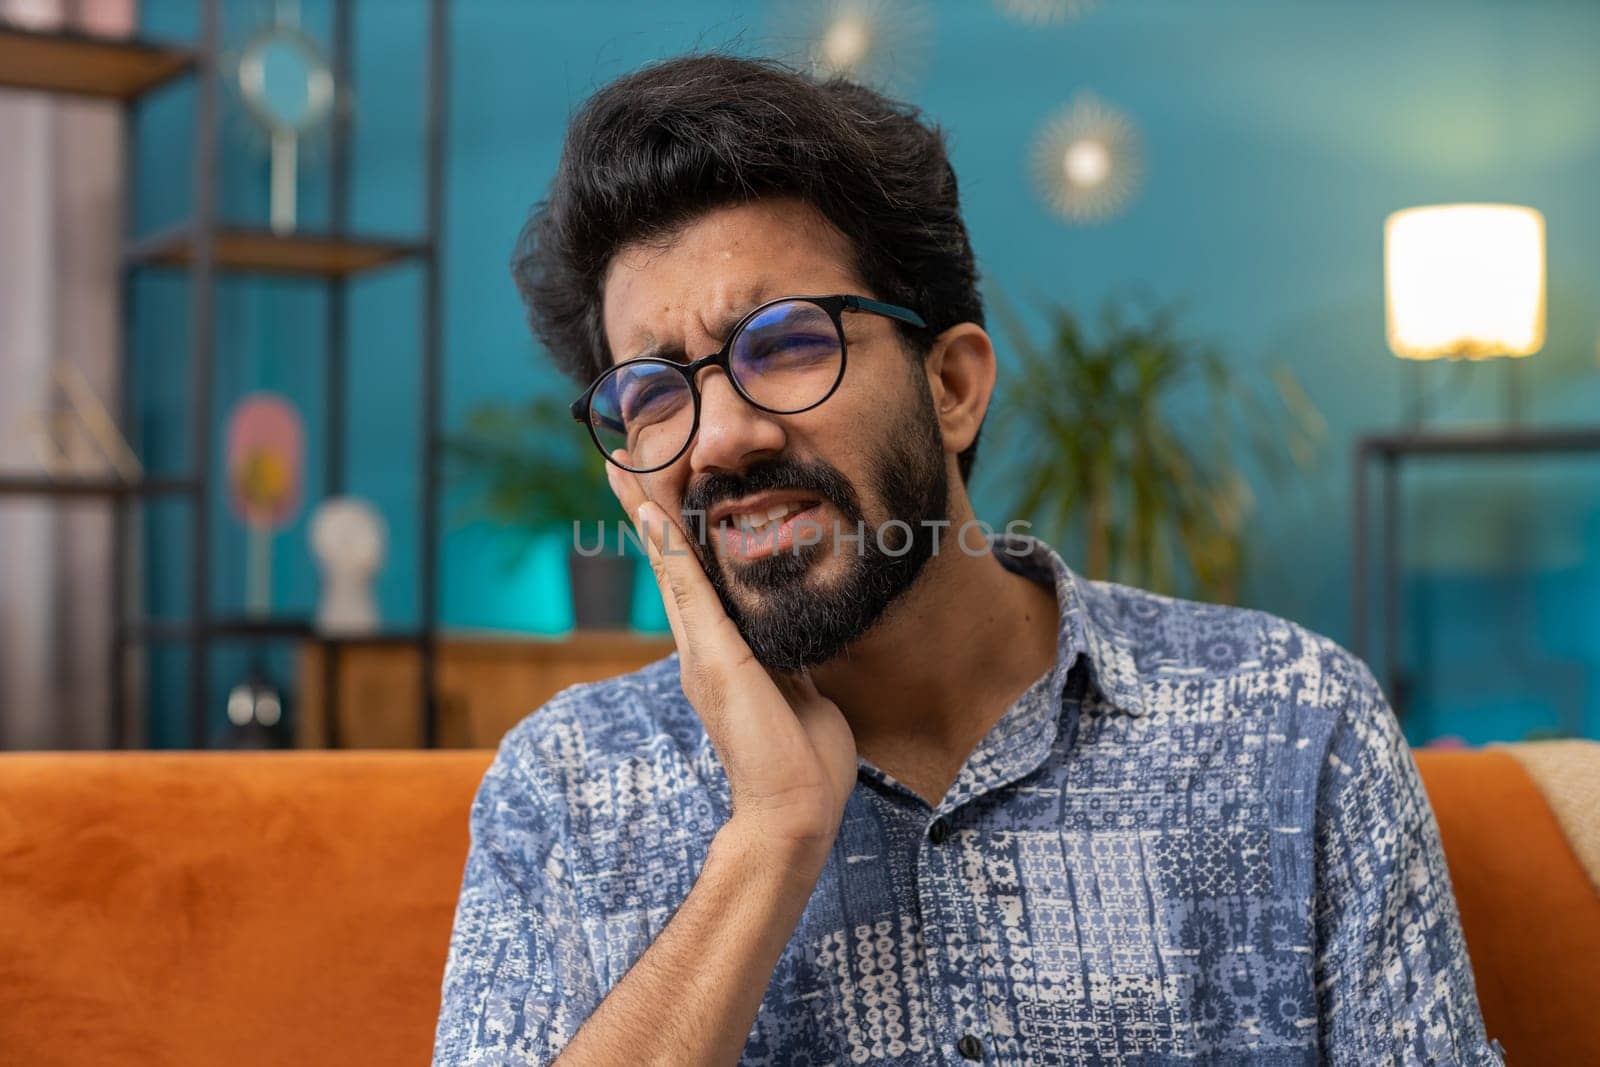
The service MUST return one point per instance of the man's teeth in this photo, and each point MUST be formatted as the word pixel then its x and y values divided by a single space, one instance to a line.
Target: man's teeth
pixel 757 520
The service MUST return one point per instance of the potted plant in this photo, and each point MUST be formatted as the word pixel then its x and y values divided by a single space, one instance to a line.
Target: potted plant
pixel 1130 437
pixel 535 472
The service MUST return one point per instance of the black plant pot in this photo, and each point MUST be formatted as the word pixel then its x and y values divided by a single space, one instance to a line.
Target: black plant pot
pixel 602 590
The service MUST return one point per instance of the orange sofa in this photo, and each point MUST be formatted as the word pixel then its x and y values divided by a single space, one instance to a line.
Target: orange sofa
pixel 278 908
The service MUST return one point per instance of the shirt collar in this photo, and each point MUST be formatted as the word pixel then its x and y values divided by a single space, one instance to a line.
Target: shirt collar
pixel 1046 715
pixel 1088 630
pixel 1089 623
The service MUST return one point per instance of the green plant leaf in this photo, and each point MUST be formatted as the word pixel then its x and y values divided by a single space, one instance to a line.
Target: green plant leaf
pixel 1104 457
pixel 532 469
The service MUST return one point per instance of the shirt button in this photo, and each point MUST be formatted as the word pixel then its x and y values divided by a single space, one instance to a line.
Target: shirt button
pixel 970 1047
pixel 939 832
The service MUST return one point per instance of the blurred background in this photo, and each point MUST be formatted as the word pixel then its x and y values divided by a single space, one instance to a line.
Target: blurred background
pixel 280 464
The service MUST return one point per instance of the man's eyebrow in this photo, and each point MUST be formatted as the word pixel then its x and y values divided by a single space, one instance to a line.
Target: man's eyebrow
pixel 675 353
pixel 724 326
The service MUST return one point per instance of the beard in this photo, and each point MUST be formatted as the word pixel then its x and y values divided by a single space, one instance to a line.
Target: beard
pixel 798 622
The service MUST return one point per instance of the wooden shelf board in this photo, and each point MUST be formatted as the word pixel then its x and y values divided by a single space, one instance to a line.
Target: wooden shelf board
pixel 572 645
pixel 575 646
pixel 83 65
pixel 88 486
pixel 217 627
pixel 250 250
pixel 272 627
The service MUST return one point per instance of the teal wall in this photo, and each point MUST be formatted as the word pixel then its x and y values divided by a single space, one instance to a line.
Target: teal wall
pixel 1277 136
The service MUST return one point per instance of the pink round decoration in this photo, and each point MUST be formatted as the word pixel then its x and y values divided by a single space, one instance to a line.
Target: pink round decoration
pixel 266 461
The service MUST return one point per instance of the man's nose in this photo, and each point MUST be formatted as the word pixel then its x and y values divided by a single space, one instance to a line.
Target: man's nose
pixel 733 432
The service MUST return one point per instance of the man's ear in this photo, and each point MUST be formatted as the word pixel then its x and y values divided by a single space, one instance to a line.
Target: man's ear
pixel 961 374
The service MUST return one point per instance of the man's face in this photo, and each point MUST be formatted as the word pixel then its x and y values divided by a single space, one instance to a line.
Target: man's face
pixel 871 453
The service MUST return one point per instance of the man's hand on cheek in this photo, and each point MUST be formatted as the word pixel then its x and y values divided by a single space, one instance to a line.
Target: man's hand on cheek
pixel 788 752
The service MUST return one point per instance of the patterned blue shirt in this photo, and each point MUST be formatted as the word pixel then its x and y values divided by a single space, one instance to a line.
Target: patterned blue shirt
pixel 1199 838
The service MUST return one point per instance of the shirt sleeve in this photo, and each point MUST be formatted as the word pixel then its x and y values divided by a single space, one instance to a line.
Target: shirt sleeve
pixel 1394 983
pixel 519 978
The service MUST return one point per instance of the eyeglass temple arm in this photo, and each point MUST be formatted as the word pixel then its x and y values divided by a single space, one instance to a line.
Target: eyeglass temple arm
pixel 878 307
pixel 580 406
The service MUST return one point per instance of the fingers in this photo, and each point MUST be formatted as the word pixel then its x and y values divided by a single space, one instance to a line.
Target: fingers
pixel 631 495
pixel 625 485
pixel 684 585
pixel 700 627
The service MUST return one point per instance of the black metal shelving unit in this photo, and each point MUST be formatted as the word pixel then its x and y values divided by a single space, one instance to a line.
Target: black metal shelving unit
pixel 123 71
pixel 1391 450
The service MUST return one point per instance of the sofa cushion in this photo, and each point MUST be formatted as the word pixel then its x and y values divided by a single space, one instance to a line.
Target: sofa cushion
pixel 228 908
pixel 295 908
pixel 1531 917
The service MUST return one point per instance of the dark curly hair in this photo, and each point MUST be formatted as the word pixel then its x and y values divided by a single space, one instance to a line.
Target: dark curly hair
pixel 655 149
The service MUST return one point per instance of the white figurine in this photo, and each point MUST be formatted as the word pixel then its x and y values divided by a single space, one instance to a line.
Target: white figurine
pixel 348 536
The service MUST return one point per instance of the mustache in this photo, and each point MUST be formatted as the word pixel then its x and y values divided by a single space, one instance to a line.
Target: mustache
pixel 771 475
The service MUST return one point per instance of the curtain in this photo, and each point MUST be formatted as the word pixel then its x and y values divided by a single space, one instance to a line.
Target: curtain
pixel 60 240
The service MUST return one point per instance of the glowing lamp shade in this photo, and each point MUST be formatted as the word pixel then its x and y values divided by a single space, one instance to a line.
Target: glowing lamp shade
pixel 1465 281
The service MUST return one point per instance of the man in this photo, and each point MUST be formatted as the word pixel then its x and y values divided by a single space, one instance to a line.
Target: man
pixel 901 795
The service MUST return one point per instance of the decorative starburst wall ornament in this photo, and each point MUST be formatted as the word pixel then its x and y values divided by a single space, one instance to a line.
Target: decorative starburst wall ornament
pixel 282 86
pixel 1045 12
pixel 883 43
pixel 1086 160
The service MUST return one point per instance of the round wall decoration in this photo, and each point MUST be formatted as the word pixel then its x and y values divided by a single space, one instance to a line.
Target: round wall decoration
pixel 883 43
pixel 1086 160
pixel 1045 12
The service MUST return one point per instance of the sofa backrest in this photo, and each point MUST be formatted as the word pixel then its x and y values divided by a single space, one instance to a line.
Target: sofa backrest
pixel 228 908
pixel 295 908
pixel 1530 911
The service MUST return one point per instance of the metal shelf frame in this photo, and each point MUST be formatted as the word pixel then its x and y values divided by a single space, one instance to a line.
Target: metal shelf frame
pixel 124 71
pixel 1391 450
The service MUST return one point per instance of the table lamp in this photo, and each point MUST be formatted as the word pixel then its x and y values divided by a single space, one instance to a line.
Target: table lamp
pixel 1465 281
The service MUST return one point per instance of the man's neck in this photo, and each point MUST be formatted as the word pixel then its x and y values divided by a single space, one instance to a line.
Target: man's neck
pixel 947 659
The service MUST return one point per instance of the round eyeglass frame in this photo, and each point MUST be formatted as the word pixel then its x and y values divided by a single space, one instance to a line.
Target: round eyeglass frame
pixel 835 306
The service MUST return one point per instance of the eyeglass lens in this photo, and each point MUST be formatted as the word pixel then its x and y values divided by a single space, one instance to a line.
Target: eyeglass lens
pixel 787 358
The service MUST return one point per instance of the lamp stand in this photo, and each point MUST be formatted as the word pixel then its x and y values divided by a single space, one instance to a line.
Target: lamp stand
pixel 1513 391
pixel 1418 408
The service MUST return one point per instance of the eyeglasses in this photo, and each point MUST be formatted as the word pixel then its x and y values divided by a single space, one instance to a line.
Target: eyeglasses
pixel 784 357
